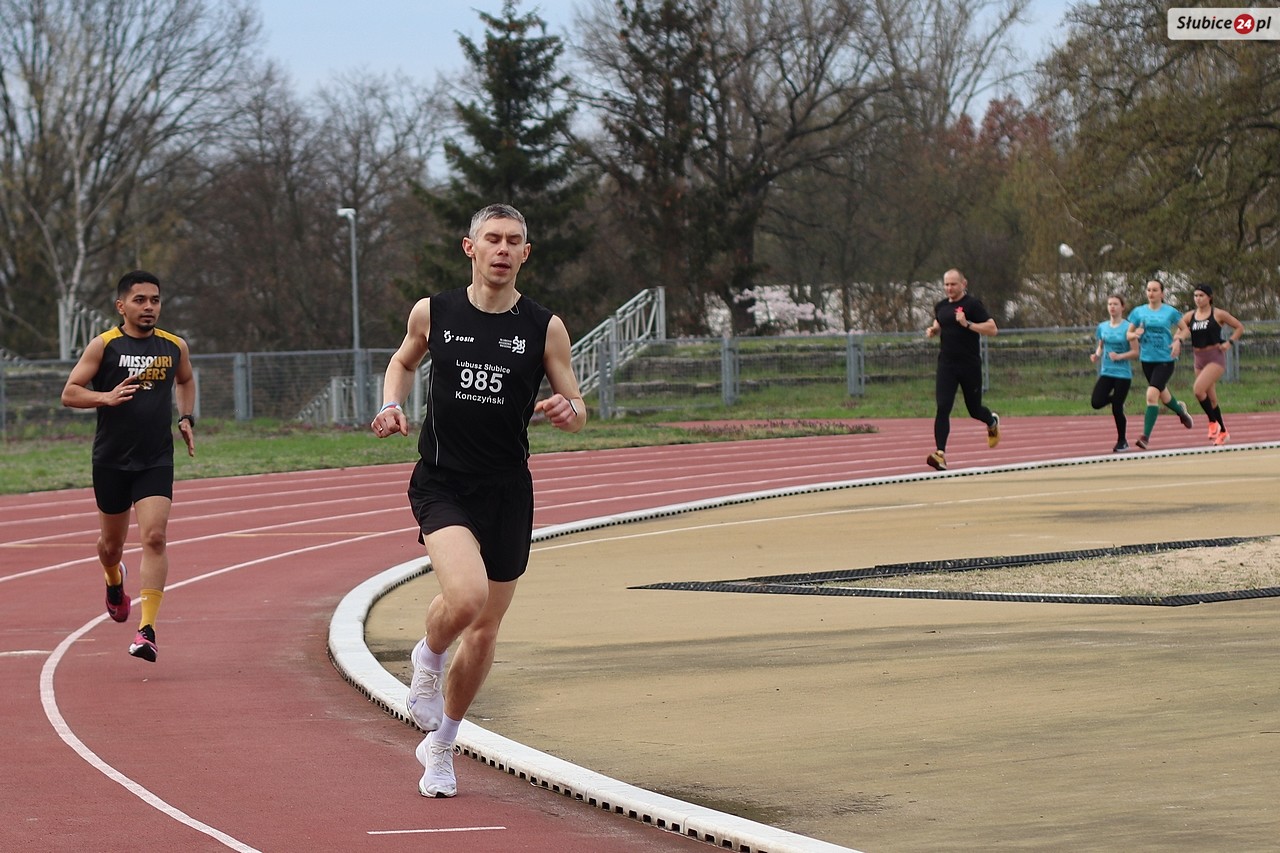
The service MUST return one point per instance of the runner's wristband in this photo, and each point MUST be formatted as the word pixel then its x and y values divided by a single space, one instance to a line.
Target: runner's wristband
pixel 189 419
pixel 392 405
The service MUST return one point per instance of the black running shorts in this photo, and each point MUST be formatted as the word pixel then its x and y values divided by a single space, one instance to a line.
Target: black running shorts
pixel 116 490
pixel 1158 373
pixel 497 509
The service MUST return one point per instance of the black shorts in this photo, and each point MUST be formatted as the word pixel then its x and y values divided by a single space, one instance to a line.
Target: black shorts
pixel 1158 373
pixel 116 490
pixel 497 509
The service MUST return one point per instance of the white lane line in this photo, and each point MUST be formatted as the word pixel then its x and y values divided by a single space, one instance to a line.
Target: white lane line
pixel 441 829
pixel 48 698
pixel 60 726
pixel 219 535
pixel 185 518
pixel 774 519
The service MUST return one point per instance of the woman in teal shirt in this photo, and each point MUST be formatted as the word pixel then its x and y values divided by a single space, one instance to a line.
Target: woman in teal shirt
pixel 1115 374
pixel 1160 329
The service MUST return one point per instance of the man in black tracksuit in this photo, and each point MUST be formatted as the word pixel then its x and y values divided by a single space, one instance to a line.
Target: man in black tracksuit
pixel 959 320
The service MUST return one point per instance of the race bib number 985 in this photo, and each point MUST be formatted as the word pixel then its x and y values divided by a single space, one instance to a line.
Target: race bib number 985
pixel 480 380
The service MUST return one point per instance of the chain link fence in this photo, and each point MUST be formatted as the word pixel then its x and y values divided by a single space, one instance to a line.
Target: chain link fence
pixel 345 386
pixel 697 373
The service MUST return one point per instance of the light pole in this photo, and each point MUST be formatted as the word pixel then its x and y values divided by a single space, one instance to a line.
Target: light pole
pixel 1064 251
pixel 350 214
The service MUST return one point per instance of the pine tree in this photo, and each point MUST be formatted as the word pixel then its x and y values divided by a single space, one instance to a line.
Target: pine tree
pixel 520 153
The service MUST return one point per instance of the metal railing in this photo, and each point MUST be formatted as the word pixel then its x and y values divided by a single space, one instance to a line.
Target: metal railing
pixel 639 322
pixel 77 325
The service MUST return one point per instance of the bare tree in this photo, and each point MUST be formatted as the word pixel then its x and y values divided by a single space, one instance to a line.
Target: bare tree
pixel 267 259
pixel 104 104
pixel 918 188
pixel 377 136
pixel 755 91
pixel 1170 150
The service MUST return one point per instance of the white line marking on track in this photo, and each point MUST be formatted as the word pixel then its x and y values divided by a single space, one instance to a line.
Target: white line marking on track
pixel 441 829
pixel 696 528
pixel 49 700
pixel 135 551
pixel 60 726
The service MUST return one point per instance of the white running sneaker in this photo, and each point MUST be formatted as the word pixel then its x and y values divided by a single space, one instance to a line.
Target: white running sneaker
pixel 426 692
pixel 437 779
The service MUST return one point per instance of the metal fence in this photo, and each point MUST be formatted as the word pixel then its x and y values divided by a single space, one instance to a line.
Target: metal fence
pixel 320 386
pixel 240 386
pixel 692 373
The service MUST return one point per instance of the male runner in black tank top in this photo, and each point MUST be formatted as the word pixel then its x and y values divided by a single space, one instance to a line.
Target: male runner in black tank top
pixel 471 491
pixel 132 374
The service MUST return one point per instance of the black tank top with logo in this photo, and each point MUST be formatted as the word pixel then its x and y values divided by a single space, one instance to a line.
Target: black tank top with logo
pixel 1206 332
pixel 138 434
pixel 486 370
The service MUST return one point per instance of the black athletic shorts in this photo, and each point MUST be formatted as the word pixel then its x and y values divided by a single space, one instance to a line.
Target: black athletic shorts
pixel 1158 373
pixel 497 509
pixel 116 490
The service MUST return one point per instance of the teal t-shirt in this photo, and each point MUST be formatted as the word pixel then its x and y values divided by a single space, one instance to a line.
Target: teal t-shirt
pixel 1115 339
pixel 1156 343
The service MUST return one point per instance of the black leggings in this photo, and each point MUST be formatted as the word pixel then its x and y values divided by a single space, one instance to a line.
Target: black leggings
pixel 1113 390
pixel 966 377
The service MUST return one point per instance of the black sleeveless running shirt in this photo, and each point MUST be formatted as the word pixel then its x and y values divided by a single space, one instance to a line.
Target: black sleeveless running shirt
pixel 138 434
pixel 485 373
pixel 1206 332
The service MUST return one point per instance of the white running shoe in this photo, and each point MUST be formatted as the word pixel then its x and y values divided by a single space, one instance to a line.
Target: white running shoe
pixel 437 778
pixel 426 693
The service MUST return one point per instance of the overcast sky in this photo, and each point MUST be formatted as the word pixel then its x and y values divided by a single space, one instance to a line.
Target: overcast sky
pixel 315 39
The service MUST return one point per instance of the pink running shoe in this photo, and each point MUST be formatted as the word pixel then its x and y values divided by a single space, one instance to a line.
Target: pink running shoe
pixel 117 602
pixel 144 644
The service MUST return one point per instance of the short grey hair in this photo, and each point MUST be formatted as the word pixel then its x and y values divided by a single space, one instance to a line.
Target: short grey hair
pixel 497 211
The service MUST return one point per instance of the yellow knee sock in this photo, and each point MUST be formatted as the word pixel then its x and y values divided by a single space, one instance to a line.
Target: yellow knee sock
pixel 113 575
pixel 151 599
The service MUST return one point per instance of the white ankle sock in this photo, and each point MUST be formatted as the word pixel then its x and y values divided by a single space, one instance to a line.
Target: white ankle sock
pixel 431 660
pixel 447 733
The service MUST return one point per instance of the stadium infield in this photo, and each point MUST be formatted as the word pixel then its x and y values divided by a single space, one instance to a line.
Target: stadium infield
pixel 902 724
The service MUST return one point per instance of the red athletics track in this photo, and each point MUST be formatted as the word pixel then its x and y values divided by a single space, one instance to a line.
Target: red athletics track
pixel 243 735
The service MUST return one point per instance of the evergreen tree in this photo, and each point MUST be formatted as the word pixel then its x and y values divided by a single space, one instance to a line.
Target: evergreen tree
pixel 520 153
pixel 655 114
